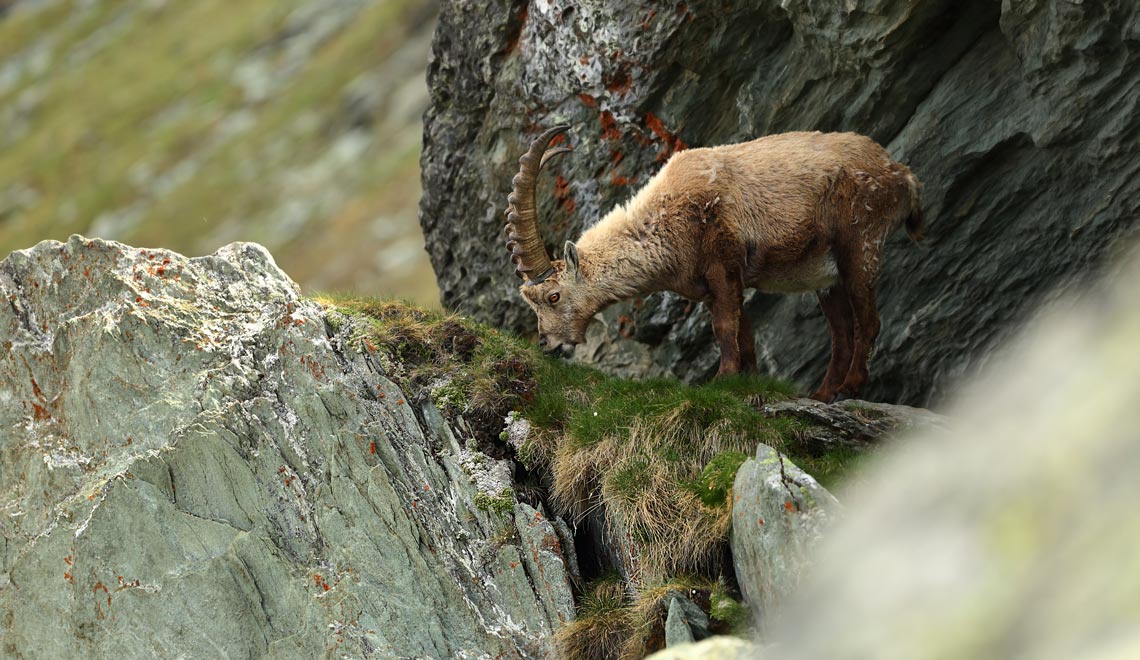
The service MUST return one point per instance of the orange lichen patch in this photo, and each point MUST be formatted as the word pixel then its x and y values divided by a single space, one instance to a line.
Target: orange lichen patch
pixel 616 157
pixel 760 521
pixel 620 81
pixel 550 542
pixel 400 402
pixel 372 447
pixel 562 194
pixel 313 366
pixel 609 126
pixel 380 395
pixel 789 507
pixel 67 576
pixel 619 180
pixel 40 413
pixel 67 560
pixel 35 386
pixel 670 142
pixel 588 101
pixel 627 326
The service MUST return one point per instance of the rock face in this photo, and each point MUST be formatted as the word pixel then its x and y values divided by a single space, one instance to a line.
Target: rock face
pixel 779 515
pixel 1020 118
pixel 193 463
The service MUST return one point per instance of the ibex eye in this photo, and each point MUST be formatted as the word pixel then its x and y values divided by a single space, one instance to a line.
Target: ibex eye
pixel 553 298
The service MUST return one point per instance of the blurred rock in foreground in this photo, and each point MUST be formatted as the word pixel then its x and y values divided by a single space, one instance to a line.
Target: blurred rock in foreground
pixel 192 465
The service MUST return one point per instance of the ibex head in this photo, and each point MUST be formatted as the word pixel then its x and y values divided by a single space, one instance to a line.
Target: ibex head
pixel 557 291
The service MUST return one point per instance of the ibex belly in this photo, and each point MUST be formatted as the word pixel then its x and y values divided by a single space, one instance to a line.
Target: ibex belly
pixel 816 272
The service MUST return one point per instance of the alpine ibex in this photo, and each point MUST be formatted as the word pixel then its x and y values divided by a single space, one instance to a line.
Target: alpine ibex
pixel 783 213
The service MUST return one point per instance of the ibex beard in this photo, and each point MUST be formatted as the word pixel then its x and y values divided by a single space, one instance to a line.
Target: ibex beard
pixel 785 213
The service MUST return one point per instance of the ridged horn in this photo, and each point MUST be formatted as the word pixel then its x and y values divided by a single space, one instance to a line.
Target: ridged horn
pixel 528 251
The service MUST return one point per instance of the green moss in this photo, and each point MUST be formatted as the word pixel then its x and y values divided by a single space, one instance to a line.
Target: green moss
pixel 500 504
pixel 733 614
pixel 716 480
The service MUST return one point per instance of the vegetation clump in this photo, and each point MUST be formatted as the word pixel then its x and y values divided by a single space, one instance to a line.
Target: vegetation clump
pixel 614 622
pixel 500 504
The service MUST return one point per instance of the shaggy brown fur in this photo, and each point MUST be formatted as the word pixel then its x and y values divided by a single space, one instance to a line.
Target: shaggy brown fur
pixel 785 213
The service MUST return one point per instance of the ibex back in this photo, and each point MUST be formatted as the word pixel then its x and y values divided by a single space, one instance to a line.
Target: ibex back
pixel 784 213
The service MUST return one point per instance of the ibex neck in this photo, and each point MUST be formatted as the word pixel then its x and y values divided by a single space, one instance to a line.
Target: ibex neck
pixel 620 258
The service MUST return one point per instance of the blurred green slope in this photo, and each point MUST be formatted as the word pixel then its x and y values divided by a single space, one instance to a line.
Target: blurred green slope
pixel 188 125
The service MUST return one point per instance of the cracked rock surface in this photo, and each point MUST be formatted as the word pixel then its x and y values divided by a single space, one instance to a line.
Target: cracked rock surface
pixel 192 463
pixel 1019 116
pixel 779 514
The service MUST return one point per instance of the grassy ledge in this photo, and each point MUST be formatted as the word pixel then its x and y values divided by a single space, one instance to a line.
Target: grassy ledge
pixel 658 455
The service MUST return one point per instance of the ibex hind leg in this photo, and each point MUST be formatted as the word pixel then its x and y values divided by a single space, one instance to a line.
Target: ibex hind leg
pixel 859 285
pixel 840 321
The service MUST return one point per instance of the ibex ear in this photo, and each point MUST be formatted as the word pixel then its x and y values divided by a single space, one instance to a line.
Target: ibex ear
pixel 571 256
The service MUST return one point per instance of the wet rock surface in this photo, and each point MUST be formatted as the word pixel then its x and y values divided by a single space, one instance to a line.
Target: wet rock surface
pixel 193 462
pixel 1019 117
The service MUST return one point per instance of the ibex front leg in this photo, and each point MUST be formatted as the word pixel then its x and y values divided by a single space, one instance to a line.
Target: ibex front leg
pixel 726 289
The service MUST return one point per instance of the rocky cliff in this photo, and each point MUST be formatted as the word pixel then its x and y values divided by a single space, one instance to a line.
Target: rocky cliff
pixel 1019 117
pixel 192 464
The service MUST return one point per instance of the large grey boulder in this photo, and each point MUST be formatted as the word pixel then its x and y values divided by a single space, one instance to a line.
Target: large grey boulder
pixel 193 464
pixel 1019 117
pixel 779 515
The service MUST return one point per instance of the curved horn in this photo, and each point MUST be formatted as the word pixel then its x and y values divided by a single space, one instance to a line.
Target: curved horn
pixel 523 240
